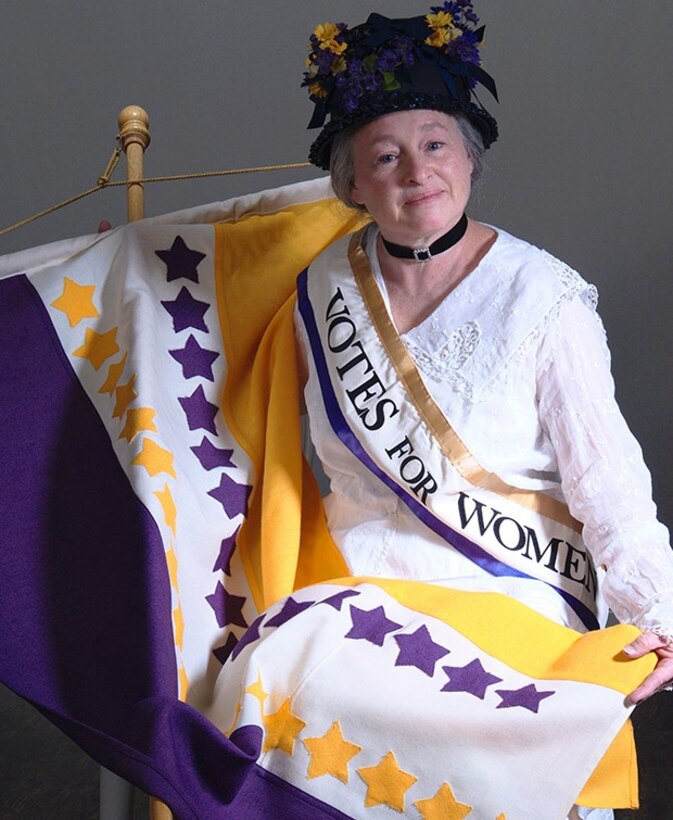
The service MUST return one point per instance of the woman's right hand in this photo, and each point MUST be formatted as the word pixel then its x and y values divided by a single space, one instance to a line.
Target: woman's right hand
pixel 662 676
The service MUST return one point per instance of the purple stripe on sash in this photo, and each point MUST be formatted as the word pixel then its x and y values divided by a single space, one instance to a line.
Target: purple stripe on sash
pixel 85 601
pixel 468 548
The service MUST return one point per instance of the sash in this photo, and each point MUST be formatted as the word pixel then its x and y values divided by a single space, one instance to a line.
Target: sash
pixel 381 411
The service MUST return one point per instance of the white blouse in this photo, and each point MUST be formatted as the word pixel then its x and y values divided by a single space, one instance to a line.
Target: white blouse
pixel 535 406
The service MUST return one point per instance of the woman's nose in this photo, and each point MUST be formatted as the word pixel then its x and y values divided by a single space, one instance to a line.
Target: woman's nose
pixel 416 168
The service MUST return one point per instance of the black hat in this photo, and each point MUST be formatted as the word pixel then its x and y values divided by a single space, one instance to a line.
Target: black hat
pixel 383 65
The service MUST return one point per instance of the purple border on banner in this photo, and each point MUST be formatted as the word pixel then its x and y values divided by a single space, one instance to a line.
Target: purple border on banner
pixel 85 601
pixel 469 549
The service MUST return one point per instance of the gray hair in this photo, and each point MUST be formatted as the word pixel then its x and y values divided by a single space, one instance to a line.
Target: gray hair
pixel 342 166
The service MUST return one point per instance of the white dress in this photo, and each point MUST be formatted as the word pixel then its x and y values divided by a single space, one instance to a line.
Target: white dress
pixel 539 412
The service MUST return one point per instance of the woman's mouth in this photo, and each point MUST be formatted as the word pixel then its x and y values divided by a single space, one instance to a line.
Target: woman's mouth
pixel 424 198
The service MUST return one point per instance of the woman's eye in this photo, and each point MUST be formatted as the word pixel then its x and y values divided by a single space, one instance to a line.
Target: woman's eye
pixel 384 159
pixel 435 145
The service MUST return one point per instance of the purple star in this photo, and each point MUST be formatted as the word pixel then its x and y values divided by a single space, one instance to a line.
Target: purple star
pixel 370 625
pixel 199 411
pixel 187 311
pixel 211 456
pixel 289 610
pixel 226 551
pixel 419 650
pixel 473 679
pixel 248 637
pixel 195 360
pixel 222 652
pixel 338 598
pixel 232 496
pixel 181 261
pixel 527 697
pixel 227 608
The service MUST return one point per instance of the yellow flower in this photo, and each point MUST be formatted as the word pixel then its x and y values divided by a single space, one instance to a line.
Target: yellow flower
pixel 333 46
pixel 316 90
pixel 438 38
pixel 441 36
pixel 439 20
pixel 326 31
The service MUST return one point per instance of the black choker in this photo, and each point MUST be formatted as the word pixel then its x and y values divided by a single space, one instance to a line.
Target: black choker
pixel 445 242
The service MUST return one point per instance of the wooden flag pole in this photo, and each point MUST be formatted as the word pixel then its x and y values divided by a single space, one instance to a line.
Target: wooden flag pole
pixel 135 137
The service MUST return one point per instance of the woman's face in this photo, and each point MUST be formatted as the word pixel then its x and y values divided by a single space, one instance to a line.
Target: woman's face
pixel 412 173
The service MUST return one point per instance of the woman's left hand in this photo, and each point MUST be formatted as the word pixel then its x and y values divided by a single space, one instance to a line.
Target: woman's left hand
pixel 662 675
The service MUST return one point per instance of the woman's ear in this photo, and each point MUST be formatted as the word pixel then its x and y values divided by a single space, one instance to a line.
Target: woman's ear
pixel 355 195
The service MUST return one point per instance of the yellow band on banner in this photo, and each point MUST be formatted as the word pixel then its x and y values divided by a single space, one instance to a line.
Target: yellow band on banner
pixel 614 782
pixel 258 258
pixel 536 646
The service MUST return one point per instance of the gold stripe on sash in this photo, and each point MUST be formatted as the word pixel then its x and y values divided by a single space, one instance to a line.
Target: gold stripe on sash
pixel 451 443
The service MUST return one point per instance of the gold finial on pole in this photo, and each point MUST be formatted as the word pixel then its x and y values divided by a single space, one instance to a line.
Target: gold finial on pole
pixel 134 136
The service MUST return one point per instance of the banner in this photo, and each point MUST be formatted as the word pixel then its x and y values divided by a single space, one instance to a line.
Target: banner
pixel 153 497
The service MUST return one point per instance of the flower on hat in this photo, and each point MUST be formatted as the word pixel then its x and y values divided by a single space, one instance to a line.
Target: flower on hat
pixel 441 36
pixel 444 30
pixel 439 19
pixel 316 90
pixel 452 25
pixel 328 37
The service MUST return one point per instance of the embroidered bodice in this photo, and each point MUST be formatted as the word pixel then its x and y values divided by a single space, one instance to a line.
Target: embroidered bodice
pixel 517 359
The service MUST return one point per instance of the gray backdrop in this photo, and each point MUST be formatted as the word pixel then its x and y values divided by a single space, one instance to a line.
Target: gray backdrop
pixel 582 168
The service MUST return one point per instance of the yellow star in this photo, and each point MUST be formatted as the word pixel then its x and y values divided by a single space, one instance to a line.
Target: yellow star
pixel 178 627
pixel 443 806
pixel 137 419
pixel 113 375
pixel 76 302
pixel 501 816
pixel 281 728
pixel 172 563
pixel 154 459
pixel 386 783
pixel 257 690
pixel 98 347
pixel 183 682
pixel 237 712
pixel 330 754
pixel 124 395
pixel 168 505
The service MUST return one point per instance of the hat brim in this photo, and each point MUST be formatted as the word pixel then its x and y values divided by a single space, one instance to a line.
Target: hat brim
pixel 381 104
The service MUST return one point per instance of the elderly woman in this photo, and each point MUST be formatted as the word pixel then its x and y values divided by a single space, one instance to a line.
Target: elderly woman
pixel 460 402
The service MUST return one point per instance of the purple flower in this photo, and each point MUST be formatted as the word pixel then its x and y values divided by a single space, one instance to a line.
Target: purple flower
pixel 324 60
pixel 351 97
pixel 405 48
pixel 388 59
pixel 355 68
pixel 372 81
pixel 461 11
pixel 465 49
